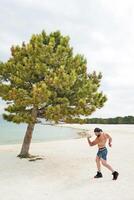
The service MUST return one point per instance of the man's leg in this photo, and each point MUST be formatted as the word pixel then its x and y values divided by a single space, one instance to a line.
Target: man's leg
pixel 98 164
pixel 104 163
pixel 114 173
pixel 99 174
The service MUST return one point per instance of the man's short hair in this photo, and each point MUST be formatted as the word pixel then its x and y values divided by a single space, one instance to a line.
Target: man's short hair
pixel 97 130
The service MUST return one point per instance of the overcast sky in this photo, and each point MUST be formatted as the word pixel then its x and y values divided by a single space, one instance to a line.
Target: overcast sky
pixel 102 30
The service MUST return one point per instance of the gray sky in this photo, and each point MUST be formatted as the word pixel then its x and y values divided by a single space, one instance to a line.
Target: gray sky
pixel 102 30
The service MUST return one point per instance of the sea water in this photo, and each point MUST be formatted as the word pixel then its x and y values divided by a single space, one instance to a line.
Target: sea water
pixel 11 133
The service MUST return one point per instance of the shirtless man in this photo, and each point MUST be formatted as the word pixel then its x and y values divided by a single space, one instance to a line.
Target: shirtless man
pixel 101 139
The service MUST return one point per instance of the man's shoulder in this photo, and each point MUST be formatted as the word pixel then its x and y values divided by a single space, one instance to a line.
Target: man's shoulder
pixel 106 135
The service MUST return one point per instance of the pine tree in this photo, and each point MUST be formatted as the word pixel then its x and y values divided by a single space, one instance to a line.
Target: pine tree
pixel 44 79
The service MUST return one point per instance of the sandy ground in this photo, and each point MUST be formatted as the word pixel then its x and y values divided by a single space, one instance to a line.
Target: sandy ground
pixel 67 170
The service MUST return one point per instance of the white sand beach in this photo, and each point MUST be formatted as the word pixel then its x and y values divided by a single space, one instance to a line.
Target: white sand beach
pixel 67 170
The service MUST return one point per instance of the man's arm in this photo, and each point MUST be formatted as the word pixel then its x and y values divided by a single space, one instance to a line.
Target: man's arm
pixel 110 140
pixel 93 142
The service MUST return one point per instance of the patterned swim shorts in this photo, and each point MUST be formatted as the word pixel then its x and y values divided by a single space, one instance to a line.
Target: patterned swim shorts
pixel 102 153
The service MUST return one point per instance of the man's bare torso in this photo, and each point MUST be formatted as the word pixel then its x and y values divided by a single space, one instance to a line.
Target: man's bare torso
pixel 101 140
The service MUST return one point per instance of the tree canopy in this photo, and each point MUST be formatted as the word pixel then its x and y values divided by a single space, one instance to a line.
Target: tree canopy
pixel 45 75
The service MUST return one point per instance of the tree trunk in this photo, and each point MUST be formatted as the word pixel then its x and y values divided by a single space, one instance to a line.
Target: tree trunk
pixel 28 137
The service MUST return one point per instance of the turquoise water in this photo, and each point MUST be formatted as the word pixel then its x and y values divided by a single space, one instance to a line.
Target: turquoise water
pixel 11 133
